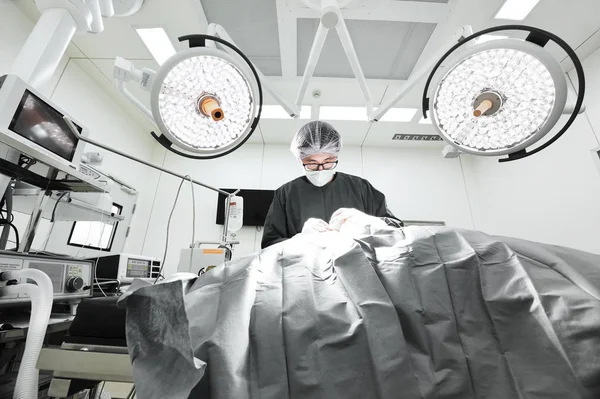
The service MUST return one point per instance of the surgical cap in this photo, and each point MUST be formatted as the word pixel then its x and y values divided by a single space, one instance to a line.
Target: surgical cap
pixel 314 138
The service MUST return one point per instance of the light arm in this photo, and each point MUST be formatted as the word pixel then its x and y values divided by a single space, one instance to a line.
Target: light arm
pixel 417 75
pixel 219 31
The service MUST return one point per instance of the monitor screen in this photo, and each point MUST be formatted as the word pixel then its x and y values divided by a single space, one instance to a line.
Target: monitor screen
pixel 40 123
pixel 256 206
pixel 138 268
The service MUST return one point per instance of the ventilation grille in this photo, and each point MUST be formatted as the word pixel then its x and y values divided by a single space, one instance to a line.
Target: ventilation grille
pixel 416 137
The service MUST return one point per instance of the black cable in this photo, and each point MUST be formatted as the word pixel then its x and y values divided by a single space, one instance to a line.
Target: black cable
pixel 101 390
pixel 16 236
pixel 162 266
pixel 56 205
pixel 131 393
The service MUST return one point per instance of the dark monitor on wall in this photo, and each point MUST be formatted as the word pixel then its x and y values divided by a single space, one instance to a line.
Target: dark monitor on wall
pixel 256 206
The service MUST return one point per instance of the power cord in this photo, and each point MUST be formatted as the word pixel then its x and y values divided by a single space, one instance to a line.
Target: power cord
pixel 193 222
pixel 162 265
pixel 98 258
pixel 8 220
pixel 56 206
pixel 17 242
pixel 131 393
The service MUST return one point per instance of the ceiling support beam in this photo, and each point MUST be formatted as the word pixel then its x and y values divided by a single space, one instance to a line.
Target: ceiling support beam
pixel 397 11
pixel 288 40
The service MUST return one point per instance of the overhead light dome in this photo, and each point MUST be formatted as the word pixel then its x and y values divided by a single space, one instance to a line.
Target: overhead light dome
pixel 205 101
pixel 499 97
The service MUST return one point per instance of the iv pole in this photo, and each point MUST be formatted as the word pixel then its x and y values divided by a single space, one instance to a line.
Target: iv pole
pixel 114 151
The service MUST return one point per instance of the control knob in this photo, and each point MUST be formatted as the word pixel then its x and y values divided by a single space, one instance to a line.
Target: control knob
pixel 74 284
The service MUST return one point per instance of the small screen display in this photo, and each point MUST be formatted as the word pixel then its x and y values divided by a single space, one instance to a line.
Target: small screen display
pixel 138 268
pixel 39 122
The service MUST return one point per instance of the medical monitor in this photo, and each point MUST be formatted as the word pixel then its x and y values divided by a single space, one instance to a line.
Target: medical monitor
pixel 33 125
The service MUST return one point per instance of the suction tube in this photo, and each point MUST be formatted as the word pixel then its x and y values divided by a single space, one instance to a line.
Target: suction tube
pixel 41 305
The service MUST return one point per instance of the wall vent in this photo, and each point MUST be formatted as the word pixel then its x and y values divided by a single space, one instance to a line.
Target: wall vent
pixel 416 137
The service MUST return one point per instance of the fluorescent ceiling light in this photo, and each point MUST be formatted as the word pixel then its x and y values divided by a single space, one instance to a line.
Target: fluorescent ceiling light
pixel 516 10
pixel 343 113
pixel 157 42
pixel 360 114
pixel 399 115
pixel 277 112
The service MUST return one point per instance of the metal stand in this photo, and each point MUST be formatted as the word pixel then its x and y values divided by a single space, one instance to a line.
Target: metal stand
pixel 36 215
pixel 224 237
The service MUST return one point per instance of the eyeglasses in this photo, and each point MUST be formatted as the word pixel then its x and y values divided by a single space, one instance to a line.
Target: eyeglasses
pixel 312 167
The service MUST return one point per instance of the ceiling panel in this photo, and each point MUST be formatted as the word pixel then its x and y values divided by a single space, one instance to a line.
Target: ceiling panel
pixel 332 91
pixel 252 24
pixel 386 50
pixel 277 131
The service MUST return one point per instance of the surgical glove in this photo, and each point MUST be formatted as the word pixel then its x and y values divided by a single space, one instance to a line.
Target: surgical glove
pixel 344 217
pixel 314 225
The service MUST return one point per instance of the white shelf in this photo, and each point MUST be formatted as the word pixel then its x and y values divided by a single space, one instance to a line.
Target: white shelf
pixel 26 196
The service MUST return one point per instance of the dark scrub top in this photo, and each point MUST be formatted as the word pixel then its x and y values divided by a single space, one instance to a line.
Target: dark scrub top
pixel 299 200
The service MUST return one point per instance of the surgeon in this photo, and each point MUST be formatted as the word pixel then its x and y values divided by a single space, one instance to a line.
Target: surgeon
pixel 304 204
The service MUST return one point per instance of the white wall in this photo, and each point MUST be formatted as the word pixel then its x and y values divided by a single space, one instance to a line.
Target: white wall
pixel 552 196
pixel 75 92
pixel 418 183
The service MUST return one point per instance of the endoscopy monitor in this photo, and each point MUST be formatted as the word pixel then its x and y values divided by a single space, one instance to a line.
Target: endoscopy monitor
pixel 34 125
pixel 42 124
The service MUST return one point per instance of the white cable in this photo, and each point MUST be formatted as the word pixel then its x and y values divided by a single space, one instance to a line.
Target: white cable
pixel 43 248
pixel 193 223
pixel 162 265
pixel 86 238
pixel 193 210
pixel 98 259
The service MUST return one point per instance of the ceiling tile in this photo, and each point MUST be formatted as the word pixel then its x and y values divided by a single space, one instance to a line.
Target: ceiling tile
pixel 252 24
pixel 403 43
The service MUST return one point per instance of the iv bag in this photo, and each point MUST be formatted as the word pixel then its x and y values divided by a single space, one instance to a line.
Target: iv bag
pixel 236 213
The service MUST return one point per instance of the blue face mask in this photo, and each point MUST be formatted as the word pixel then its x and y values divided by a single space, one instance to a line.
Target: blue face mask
pixel 320 178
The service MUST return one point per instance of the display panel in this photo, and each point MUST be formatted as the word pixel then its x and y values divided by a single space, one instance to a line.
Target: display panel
pixel 138 268
pixel 40 123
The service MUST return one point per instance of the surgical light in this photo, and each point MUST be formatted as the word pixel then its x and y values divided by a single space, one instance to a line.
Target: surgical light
pixel 501 96
pixel 205 100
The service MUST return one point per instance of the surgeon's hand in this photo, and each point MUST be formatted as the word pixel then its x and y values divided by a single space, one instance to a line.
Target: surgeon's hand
pixel 314 225
pixel 343 218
